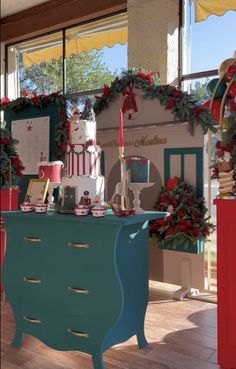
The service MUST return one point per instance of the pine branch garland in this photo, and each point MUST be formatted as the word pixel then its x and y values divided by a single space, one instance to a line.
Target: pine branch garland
pixel 11 166
pixel 183 105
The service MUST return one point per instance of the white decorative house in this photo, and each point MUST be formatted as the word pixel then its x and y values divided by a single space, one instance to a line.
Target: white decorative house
pixel 175 148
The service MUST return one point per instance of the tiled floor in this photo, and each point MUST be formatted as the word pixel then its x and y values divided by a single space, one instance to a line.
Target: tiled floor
pixel 181 335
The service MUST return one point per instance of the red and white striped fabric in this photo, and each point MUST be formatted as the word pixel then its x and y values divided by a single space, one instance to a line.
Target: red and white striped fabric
pixel 84 162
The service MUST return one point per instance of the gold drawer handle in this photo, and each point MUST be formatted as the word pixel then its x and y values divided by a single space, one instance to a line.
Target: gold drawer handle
pixel 78 290
pixel 32 280
pixel 79 245
pixel 77 334
pixel 33 239
pixel 31 320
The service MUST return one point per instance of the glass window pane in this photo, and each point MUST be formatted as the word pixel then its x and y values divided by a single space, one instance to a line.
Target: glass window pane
pixel 36 65
pixel 79 102
pixel 209 42
pixel 198 87
pixel 95 53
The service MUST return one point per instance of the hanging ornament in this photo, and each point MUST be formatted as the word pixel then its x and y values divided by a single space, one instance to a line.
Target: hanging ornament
pixel 220 89
pixel 224 66
pixel 129 104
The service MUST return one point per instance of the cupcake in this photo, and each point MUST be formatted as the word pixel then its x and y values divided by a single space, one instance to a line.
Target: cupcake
pixel 26 207
pixel 81 210
pixel 98 211
pixel 40 208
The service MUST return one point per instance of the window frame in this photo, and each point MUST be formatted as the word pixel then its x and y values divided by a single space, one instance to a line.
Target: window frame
pixel 63 31
pixel 182 77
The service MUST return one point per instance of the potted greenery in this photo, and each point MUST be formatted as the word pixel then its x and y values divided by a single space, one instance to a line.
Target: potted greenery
pixel 186 227
pixel 10 170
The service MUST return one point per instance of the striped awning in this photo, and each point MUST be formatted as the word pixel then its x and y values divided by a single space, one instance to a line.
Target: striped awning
pixel 84 38
pixel 205 8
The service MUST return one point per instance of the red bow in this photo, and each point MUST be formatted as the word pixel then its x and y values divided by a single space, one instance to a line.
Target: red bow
pixel 147 76
pixel 129 101
pixel 106 90
pixel 87 144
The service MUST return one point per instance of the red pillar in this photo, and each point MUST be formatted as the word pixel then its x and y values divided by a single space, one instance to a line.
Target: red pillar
pixel 2 247
pixel 226 282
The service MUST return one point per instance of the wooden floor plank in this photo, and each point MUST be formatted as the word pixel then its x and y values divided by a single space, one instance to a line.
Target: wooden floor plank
pixel 181 335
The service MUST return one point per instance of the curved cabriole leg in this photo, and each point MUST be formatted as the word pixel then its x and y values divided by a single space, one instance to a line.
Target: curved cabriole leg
pixel 142 342
pixel 98 361
pixel 17 341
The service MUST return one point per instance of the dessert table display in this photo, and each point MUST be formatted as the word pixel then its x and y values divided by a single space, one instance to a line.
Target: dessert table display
pixel 78 283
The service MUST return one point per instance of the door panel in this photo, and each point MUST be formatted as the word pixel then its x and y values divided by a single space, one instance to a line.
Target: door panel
pixel 186 163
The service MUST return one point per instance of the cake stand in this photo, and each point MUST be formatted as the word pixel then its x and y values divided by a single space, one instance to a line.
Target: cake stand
pixel 137 188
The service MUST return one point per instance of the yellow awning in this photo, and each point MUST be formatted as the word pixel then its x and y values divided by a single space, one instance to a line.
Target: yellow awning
pixel 204 8
pixel 85 38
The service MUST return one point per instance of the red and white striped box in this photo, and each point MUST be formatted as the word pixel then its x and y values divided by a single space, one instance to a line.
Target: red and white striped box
pixel 82 161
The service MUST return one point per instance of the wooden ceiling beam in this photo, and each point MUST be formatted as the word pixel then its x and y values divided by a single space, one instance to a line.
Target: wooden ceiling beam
pixel 53 15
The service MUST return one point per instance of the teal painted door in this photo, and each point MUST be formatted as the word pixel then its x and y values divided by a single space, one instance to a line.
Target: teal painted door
pixel 187 164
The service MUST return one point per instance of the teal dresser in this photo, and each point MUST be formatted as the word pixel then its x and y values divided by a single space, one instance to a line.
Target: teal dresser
pixel 78 283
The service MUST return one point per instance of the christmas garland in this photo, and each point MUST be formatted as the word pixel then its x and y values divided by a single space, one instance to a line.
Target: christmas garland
pixel 41 101
pixel 187 222
pixel 227 144
pixel 11 166
pixel 183 105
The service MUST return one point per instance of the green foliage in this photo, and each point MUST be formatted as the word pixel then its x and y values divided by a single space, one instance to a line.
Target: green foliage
pixel 184 106
pixel 227 142
pixel 83 72
pixel 11 166
pixel 199 91
pixel 131 76
pixel 187 222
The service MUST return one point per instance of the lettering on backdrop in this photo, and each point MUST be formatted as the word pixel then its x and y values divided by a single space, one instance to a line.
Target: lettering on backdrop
pixel 142 141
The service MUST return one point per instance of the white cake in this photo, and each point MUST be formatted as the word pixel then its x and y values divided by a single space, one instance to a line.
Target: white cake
pixel 83 160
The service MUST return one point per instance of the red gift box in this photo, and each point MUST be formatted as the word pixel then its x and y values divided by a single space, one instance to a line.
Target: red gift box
pixel 9 199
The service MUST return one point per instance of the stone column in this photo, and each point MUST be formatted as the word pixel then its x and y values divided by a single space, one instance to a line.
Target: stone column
pixel 153 36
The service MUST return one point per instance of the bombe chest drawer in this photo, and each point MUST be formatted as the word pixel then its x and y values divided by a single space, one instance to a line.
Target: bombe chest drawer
pixel 77 283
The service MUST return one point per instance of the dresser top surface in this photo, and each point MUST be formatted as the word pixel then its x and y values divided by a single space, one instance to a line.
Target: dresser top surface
pixel 109 219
